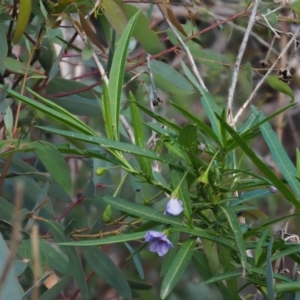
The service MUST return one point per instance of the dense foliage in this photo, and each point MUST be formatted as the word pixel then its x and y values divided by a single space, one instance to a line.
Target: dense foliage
pixel 132 162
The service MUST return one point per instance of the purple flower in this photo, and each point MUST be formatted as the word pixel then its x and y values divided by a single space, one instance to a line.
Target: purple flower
pixel 158 242
pixel 174 207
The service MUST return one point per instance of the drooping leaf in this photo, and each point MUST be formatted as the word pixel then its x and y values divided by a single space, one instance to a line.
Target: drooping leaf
pixel 280 86
pixel 115 15
pixel 55 164
pixel 142 32
pixel 22 19
pixel 168 79
pixel 107 270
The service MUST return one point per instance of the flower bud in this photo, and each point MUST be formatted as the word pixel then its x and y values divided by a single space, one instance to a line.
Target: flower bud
pixel 101 171
pixel 107 215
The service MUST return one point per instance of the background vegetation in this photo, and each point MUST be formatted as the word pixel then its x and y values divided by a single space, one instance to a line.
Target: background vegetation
pixel 149 149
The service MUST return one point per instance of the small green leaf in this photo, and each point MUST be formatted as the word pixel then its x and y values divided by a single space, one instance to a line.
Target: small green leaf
pixel 55 164
pixel 280 86
pixel 177 267
pixel 18 67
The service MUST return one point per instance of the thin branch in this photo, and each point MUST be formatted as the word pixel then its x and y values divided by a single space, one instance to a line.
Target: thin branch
pixel 128 129
pixel 238 63
pixel 188 53
pixel 259 84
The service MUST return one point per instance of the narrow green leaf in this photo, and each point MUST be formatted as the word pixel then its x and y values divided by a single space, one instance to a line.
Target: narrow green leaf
pixel 117 72
pixel 199 122
pixel 60 114
pixel 291 250
pixel 158 118
pixel 202 266
pixel 280 156
pixel 55 164
pixel 136 260
pixel 106 143
pixel 207 101
pixel 188 138
pixel 107 270
pixel 208 235
pixel 4 47
pixel 137 125
pixel 106 110
pixel 142 211
pixel 258 248
pixel 235 226
pixel 56 289
pixel 31 289
pixel 261 165
pixel 222 276
pixel 169 80
pixel 298 162
pixel 287 287
pixel 169 257
pixel 184 195
pixel 74 259
pixel 108 240
pixel 280 86
pixel 269 272
pixel 63 113
pixel 177 267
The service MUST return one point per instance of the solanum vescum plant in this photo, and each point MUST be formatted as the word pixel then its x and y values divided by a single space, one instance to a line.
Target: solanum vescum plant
pixel 149 149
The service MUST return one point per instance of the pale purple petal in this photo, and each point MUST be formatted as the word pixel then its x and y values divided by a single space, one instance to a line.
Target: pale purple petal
pixel 174 207
pixel 153 235
pixel 159 242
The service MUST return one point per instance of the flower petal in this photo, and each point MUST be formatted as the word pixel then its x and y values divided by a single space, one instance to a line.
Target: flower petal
pixel 174 207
